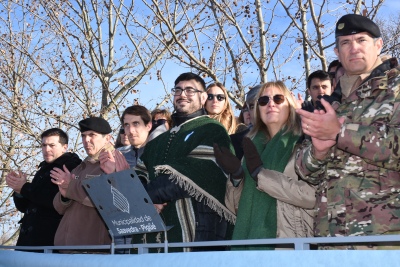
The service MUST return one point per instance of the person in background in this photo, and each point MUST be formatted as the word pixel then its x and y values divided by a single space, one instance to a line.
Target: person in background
pixel 161 122
pixel 244 116
pixel 160 117
pixel 219 107
pixel 335 71
pixel 333 67
pixel 35 199
pixel 353 152
pixel 124 146
pixel 137 124
pixel 319 84
pixel 81 223
pixel 251 99
pixel 136 121
pixel 237 138
pixel 270 199
pixel 122 139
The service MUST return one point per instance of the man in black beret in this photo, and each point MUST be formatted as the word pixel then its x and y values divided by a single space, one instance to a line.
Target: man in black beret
pixel 81 223
pixel 96 124
pixel 353 155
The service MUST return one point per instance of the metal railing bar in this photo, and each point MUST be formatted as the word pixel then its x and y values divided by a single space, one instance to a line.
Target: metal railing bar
pixel 296 243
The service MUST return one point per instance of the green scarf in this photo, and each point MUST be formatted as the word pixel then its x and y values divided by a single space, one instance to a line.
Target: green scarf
pixel 256 217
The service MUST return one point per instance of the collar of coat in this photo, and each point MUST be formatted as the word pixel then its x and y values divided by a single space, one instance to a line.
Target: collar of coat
pixel 95 157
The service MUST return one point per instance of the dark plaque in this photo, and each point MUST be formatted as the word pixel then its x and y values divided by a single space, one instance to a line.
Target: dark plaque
pixel 123 203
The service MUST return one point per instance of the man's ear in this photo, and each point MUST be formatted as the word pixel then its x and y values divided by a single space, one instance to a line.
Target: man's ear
pixel 203 98
pixel 65 147
pixel 149 126
pixel 379 44
pixel 336 52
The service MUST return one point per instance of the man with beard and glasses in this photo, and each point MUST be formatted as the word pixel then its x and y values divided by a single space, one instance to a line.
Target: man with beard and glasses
pixel 179 168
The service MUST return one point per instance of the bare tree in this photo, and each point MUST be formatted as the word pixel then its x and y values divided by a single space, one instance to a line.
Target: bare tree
pixel 98 55
pixel 243 43
pixel 20 123
pixel 62 61
pixel 390 29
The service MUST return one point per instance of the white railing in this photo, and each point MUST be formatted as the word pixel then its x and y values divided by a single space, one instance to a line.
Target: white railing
pixel 295 243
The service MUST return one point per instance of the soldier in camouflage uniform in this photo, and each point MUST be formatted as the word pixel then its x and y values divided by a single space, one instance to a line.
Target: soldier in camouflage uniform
pixel 354 152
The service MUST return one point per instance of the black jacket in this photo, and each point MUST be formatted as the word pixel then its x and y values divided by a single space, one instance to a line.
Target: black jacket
pixel 40 221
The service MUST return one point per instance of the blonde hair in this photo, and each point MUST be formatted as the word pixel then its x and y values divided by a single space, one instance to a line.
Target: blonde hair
pixel 226 117
pixel 292 124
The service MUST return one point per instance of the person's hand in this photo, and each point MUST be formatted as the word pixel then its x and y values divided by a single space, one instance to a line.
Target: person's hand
pixel 299 100
pixel 228 162
pixel 62 178
pixel 253 159
pixel 320 124
pixel 107 161
pixel 320 148
pixel 16 180
pixel 160 207
pixel 120 161
pixel 112 161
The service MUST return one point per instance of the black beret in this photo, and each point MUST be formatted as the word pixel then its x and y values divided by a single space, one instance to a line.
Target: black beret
pixel 96 124
pixel 353 23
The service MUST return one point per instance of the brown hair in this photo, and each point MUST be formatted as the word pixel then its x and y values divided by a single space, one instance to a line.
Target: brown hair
pixel 137 110
pixel 163 112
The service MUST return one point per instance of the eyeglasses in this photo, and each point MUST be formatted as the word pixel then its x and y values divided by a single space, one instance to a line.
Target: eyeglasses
pixel 189 91
pixel 264 100
pixel 122 131
pixel 220 97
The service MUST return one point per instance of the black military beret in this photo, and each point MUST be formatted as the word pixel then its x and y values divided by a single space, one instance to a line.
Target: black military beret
pixel 353 23
pixel 96 124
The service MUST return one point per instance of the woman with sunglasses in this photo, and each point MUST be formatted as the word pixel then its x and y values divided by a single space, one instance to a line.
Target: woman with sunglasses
pixel 122 144
pixel 122 140
pixel 219 108
pixel 273 201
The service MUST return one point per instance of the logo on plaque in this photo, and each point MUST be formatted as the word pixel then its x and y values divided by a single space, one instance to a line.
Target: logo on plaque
pixel 119 201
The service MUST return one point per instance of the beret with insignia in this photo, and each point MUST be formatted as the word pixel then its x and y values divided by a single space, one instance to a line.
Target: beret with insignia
pixel 352 23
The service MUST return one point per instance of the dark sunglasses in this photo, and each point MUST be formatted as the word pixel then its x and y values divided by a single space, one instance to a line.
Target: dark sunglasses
pixel 159 122
pixel 220 97
pixel 122 131
pixel 264 100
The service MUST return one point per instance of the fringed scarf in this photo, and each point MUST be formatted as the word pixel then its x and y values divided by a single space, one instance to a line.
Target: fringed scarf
pixel 257 216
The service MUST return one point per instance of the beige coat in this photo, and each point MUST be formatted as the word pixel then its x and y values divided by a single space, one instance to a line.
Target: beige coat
pixel 295 200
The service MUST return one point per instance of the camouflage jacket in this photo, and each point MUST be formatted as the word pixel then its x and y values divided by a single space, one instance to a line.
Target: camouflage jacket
pixel 359 182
